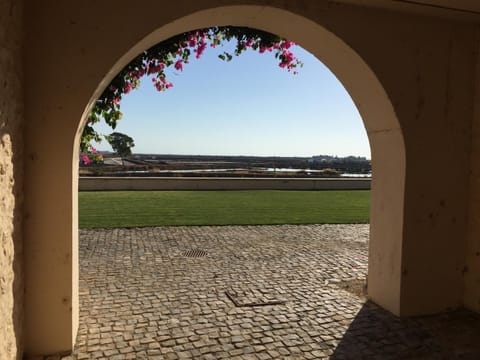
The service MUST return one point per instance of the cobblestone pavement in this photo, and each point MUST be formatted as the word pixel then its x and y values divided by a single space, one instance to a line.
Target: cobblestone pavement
pixel 247 292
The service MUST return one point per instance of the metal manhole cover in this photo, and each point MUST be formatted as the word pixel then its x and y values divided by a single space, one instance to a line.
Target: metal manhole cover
pixel 195 253
pixel 247 297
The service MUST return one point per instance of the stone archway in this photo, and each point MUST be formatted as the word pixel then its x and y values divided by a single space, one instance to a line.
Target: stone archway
pixel 89 44
pixel 383 128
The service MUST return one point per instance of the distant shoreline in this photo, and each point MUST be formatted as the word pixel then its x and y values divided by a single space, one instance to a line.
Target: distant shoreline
pixel 151 165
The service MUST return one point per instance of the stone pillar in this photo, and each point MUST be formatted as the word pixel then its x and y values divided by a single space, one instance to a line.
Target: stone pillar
pixel 11 171
pixel 471 270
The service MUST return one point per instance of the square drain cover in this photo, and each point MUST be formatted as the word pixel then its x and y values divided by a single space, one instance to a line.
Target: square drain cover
pixel 248 297
pixel 195 253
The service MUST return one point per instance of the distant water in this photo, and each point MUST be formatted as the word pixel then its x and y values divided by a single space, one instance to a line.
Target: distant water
pixel 357 175
pixel 308 171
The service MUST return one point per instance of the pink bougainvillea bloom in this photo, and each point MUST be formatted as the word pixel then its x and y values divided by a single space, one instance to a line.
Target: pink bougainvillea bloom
pixel 116 101
pixel 286 44
pixel 128 87
pixel 85 159
pixel 249 43
pixel 155 68
pixel 288 56
pixel 157 84
pixel 178 65
pixel 136 74
pixel 201 48
pixel 191 40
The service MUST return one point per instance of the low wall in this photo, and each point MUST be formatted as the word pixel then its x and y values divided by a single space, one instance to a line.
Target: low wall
pixel 210 183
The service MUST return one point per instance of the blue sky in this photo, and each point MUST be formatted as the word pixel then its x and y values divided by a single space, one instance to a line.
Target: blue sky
pixel 248 106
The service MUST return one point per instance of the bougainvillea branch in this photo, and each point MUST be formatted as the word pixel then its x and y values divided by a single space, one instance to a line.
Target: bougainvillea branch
pixel 176 52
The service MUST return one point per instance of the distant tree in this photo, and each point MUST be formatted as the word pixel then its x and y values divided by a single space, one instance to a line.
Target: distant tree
pixel 122 144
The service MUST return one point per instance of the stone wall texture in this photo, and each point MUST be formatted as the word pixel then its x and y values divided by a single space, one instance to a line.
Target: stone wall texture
pixel 11 115
pixel 472 267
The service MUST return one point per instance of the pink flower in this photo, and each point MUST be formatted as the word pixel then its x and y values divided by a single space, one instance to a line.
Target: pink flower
pixel 85 159
pixel 288 56
pixel 158 85
pixel 116 101
pixel 286 44
pixel 128 87
pixel 178 65
pixel 201 48
pixel 155 68
pixel 286 60
pixel 191 40
pixel 136 74
pixel 249 43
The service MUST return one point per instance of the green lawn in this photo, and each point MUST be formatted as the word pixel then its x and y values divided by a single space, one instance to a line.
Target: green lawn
pixel 157 208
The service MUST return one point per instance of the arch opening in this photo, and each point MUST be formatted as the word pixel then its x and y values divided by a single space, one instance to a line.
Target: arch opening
pixel 382 126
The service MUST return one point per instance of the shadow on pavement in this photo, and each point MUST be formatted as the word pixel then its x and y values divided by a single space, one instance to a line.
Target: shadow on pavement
pixel 377 334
